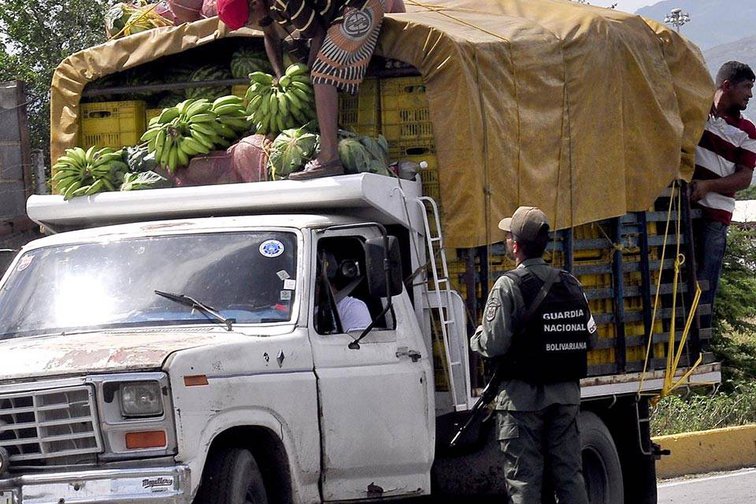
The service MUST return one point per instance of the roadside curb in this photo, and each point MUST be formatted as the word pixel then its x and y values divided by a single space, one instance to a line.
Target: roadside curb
pixel 707 451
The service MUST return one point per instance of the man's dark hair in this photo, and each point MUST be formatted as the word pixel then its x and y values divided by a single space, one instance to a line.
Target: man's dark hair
pixel 735 72
pixel 534 249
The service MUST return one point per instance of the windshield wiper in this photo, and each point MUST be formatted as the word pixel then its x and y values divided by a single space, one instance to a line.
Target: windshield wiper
pixel 189 301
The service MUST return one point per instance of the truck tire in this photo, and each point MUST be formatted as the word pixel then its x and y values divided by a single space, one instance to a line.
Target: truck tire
pixel 232 477
pixel 601 465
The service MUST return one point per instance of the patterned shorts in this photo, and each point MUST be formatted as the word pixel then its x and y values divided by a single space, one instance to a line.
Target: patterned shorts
pixel 344 57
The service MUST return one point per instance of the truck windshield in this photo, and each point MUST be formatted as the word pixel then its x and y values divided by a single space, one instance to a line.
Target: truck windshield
pixel 247 277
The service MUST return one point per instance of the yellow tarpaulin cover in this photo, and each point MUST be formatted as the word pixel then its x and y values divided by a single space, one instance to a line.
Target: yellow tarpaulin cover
pixel 583 111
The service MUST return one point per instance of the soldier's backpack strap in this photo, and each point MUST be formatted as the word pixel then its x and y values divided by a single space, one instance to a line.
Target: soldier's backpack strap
pixel 520 276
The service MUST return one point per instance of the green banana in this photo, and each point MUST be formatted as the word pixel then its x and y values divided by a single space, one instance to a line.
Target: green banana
pixel 296 69
pixel 198 107
pixel 204 117
pixel 182 159
pixel 204 128
pixel 149 134
pixel 203 139
pixel 168 115
pixel 193 147
pixel 261 77
pixel 227 100
pixel 160 144
pixel 96 187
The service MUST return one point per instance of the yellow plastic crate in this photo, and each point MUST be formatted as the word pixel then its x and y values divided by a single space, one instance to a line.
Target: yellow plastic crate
pixel 150 113
pixel 405 115
pixel 360 112
pixel 112 124
pixel 239 90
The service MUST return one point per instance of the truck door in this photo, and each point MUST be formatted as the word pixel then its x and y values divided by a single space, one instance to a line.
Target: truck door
pixel 375 401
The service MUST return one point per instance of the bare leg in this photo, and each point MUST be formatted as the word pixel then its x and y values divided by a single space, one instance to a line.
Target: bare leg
pixel 327 163
pixel 327 103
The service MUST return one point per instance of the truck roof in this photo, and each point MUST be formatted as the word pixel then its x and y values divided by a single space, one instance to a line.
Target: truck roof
pixel 365 196
pixel 191 225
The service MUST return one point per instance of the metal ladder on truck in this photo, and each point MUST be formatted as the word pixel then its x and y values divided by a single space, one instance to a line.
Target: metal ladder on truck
pixel 440 304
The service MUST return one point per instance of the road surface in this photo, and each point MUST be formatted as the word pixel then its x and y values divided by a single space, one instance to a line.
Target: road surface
pixel 737 487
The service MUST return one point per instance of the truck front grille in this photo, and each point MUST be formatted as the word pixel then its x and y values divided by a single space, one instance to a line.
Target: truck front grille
pixel 49 427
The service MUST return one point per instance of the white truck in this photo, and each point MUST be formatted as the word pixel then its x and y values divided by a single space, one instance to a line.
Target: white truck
pixel 180 345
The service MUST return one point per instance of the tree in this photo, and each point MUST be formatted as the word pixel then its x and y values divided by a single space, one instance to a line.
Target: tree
pixel 35 36
pixel 735 306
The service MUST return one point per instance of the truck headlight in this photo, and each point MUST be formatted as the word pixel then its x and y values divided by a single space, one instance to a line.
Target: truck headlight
pixel 141 399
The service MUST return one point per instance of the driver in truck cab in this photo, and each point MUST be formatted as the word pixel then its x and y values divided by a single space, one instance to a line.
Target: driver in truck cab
pixel 537 325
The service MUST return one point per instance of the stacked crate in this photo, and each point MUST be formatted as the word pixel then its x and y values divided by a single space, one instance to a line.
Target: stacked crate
pixel 112 124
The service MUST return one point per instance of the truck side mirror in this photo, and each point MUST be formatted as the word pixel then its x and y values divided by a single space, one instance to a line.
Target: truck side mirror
pixel 6 256
pixel 376 254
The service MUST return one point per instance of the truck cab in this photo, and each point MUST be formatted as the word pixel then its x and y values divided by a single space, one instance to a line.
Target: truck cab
pixel 190 350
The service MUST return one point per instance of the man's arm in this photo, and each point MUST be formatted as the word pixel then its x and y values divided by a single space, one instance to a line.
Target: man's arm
pixel 741 179
pixel 273 49
pixel 494 336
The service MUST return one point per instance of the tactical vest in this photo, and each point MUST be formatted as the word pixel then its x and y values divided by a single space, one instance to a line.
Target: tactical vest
pixel 553 344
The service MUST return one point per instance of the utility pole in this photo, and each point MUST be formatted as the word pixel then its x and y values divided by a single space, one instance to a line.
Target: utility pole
pixel 677 18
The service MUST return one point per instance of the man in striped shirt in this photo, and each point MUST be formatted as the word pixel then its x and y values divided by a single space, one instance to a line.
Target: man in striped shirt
pixel 725 159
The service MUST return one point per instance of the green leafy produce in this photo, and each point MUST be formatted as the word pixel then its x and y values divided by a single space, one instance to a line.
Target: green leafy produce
pixel 291 149
pixel 361 154
pixel 144 180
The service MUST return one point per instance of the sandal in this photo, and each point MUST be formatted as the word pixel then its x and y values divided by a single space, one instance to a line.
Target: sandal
pixel 316 169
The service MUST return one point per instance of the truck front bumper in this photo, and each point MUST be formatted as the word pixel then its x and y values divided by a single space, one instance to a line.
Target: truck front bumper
pixel 163 485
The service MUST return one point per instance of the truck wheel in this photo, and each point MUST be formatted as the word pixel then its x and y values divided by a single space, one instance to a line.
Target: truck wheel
pixel 232 477
pixel 601 465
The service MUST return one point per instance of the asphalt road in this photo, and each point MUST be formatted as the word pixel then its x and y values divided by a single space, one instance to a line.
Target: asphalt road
pixel 737 487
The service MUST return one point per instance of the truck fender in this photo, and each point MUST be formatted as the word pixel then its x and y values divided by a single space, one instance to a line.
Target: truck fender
pixel 233 428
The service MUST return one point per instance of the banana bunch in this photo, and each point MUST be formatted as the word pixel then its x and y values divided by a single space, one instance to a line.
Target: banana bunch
pixel 232 117
pixel 194 127
pixel 275 105
pixel 78 172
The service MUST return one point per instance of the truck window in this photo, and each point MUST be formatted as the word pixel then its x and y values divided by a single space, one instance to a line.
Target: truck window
pixel 342 298
pixel 249 277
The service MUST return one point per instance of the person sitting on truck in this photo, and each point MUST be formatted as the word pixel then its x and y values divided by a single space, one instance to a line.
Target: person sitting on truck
pixel 537 325
pixel 342 34
pixel 725 159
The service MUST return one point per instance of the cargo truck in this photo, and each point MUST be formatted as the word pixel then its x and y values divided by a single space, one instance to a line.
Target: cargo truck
pixel 180 345
pixel 177 357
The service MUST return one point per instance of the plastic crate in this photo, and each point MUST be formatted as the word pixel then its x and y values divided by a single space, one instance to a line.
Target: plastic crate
pixel 239 90
pixel 150 113
pixel 429 176
pixel 360 112
pixel 112 124
pixel 405 115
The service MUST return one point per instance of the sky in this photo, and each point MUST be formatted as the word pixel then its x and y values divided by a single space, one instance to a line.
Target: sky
pixel 624 5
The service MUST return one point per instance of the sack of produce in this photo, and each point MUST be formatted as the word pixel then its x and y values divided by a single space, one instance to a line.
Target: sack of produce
pixel 186 11
pixel 165 10
pixel 209 9
pixel 245 161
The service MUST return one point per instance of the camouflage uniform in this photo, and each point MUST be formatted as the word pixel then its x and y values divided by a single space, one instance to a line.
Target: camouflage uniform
pixel 537 422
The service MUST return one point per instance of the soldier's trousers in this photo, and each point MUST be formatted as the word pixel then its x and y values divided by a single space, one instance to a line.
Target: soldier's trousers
pixel 532 440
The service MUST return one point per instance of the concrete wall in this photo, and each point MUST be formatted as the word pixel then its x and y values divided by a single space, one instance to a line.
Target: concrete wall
pixel 15 168
pixel 15 164
pixel 707 451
